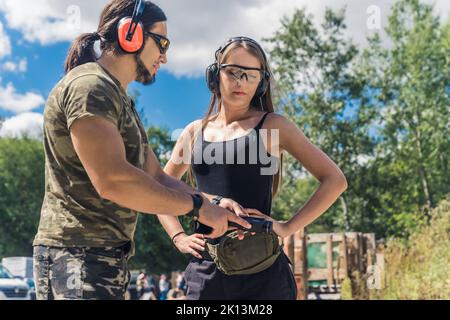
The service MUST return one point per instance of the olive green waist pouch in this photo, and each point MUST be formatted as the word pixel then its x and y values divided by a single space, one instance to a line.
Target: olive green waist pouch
pixel 253 254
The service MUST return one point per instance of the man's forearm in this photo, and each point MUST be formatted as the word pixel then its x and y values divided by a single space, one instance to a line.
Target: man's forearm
pixel 176 184
pixel 133 188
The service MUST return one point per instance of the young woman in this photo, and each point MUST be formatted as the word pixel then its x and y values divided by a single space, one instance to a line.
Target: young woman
pixel 240 116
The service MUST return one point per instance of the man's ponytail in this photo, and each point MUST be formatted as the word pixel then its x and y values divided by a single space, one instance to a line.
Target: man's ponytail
pixel 81 51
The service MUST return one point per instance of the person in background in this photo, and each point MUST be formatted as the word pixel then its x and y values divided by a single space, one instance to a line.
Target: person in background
pixel 181 282
pixel 164 287
pixel 176 294
pixel 142 284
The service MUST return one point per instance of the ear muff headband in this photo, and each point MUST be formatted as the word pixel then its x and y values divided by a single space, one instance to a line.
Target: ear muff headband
pixel 130 31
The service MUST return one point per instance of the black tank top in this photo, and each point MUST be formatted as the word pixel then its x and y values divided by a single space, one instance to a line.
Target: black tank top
pixel 239 169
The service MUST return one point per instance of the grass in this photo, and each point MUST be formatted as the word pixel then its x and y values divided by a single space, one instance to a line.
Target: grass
pixel 419 267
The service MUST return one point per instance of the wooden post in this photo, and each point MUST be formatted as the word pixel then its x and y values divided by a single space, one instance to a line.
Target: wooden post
pixel 369 258
pixel 369 244
pixel 358 253
pixel 344 255
pixel 329 251
pixel 361 253
pixel 289 244
pixel 300 264
pixel 381 269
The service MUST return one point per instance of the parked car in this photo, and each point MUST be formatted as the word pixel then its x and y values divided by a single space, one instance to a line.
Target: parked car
pixel 12 288
pixel 21 268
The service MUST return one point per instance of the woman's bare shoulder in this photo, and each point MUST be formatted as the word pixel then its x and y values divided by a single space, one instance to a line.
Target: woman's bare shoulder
pixel 277 121
pixel 193 127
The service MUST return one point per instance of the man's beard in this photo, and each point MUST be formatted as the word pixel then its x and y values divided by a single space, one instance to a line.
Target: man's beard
pixel 142 74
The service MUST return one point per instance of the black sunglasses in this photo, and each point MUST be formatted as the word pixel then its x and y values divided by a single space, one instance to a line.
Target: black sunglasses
pixel 162 42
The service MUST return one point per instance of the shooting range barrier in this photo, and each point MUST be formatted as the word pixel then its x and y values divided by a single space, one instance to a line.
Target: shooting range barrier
pixel 322 261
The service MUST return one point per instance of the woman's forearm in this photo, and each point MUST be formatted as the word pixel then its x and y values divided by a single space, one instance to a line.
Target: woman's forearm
pixel 171 224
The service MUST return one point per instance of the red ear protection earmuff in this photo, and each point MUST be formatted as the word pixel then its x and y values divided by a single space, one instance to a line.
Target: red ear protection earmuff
pixel 130 32
pixel 212 71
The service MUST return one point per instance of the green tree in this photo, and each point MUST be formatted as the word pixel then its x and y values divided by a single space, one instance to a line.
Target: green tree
pixel 411 78
pixel 160 141
pixel 382 114
pixel 21 194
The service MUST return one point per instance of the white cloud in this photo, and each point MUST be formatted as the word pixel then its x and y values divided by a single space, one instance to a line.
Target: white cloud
pixel 196 27
pixel 199 27
pixel 26 124
pixel 16 102
pixel 11 66
pixel 5 43
pixel 22 65
pixel 51 21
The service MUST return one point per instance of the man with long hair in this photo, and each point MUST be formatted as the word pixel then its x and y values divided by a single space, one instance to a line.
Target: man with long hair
pixel 99 169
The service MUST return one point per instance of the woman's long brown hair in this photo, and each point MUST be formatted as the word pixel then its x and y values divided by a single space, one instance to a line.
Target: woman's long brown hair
pixel 265 103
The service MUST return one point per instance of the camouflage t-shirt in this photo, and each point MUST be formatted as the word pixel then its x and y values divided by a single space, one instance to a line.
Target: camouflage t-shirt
pixel 73 214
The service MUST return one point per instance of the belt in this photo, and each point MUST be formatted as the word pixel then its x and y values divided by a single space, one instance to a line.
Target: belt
pixel 116 252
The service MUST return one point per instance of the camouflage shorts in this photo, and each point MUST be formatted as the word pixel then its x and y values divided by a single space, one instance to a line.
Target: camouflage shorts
pixel 81 273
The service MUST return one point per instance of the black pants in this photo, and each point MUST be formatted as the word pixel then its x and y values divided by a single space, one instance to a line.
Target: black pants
pixel 205 282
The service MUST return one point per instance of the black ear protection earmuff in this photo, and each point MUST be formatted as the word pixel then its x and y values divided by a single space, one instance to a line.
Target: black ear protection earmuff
pixel 212 71
pixel 130 31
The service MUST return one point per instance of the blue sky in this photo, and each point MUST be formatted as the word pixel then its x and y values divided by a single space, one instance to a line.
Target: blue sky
pixel 35 36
